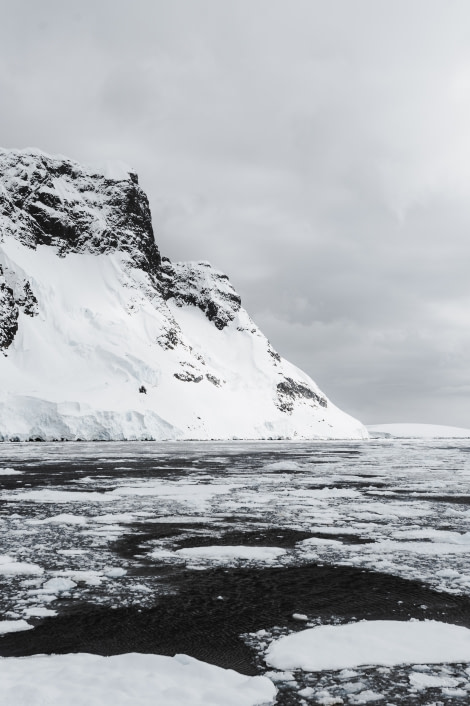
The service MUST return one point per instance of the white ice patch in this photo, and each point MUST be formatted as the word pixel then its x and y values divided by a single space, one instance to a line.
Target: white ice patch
pixel 335 530
pixel 225 554
pixel 91 578
pixel 165 555
pixel 429 681
pixel 324 698
pixel 430 548
pixel 283 466
pixel 7 626
pixel 137 679
pixel 58 585
pixel 326 493
pixel 433 535
pixel 365 697
pixel 57 496
pixel 184 519
pixel 39 612
pixel 10 472
pixel 312 541
pixel 110 519
pixel 64 519
pixel 11 567
pixel 115 572
pixel 378 642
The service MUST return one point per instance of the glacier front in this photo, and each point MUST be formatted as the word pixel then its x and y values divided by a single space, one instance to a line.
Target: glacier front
pixel 102 338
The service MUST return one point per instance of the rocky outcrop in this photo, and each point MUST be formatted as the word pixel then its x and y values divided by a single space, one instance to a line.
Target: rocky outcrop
pixel 55 201
pixel 26 300
pixel 199 285
pixel 288 391
pixel 8 314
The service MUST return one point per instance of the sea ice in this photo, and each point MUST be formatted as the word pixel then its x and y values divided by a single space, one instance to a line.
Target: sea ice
pixel 64 519
pixel 57 496
pixel 58 585
pixel 39 612
pixel 115 572
pixel 365 697
pixel 378 642
pixel 11 567
pixel 224 554
pixel 7 626
pixel 429 681
pixel 137 679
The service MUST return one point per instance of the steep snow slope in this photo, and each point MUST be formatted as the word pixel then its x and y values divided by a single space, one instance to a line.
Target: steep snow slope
pixel 101 338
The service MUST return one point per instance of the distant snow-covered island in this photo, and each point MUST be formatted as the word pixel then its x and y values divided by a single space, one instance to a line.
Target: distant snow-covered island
pixel 102 338
pixel 417 431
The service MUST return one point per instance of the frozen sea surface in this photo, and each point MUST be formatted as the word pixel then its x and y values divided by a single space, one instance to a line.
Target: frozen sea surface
pixel 168 548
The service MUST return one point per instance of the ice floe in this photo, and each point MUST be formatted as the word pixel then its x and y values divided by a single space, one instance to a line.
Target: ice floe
pixel 137 679
pixel 7 626
pixel 58 585
pixel 226 554
pixel 11 567
pixel 376 642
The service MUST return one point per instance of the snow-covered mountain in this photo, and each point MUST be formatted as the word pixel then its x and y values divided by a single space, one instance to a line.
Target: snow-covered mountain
pixel 102 338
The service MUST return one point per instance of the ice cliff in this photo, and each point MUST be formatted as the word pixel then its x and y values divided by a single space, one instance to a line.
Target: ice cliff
pixel 102 338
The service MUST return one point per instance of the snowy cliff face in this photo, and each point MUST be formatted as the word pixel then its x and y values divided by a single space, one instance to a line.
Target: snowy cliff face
pixel 101 338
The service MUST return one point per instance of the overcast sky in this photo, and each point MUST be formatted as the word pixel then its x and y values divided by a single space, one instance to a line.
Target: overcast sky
pixel 316 151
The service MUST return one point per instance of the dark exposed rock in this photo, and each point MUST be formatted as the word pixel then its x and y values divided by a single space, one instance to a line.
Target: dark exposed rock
pixel 169 339
pixel 186 376
pixel 199 285
pixel 274 354
pixel 8 314
pixel 54 201
pixel 288 391
pixel 27 300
